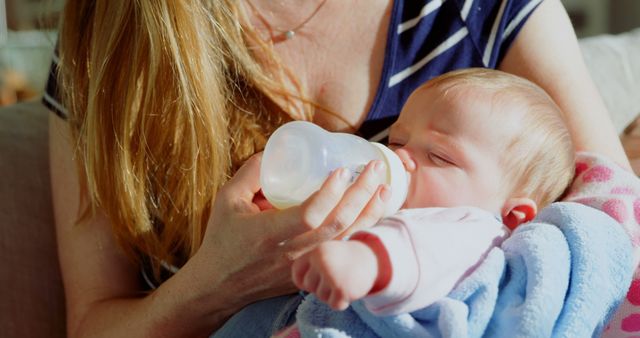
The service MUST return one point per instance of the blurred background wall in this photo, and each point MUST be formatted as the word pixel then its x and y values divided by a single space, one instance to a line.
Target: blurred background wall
pixel 592 17
pixel 27 37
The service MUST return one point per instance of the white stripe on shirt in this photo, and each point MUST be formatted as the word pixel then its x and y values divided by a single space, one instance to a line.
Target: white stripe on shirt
pixel 518 18
pixel 55 104
pixel 379 136
pixel 465 9
pixel 443 47
pixel 426 10
pixel 169 267
pixel 147 279
pixel 492 38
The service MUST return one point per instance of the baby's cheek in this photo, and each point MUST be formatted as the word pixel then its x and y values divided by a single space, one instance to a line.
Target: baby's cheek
pixel 438 195
pixel 445 187
pixel 492 191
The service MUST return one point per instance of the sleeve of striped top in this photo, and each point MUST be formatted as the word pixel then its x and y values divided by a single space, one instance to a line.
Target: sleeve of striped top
pixel 51 98
pixel 493 25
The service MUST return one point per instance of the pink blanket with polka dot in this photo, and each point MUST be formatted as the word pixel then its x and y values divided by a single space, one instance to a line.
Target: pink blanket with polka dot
pixel 604 185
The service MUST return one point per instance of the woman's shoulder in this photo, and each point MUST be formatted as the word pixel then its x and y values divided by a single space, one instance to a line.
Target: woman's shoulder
pixel 433 37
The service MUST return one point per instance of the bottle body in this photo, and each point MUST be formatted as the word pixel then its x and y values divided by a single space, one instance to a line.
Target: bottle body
pixel 299 156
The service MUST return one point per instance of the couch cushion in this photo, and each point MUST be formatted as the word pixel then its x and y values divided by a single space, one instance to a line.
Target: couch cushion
pixel 614 64
pixel 31 294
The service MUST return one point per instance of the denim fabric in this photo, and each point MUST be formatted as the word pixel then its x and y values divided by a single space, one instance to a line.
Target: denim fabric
pixel 261 319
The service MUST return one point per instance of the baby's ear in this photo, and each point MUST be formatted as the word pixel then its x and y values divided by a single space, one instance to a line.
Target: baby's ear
pixel 518 210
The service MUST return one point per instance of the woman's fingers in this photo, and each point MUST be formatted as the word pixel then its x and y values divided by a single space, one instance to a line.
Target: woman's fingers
pixel 246 182
pixel 289 223
pixel 357 198
pixel 336 214
pixel 317 208
pixel 332 214
pixel 336 208
pixel 372 213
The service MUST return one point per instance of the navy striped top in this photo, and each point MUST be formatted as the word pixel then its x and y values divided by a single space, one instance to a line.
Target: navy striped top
pixel 426 38
pixel 430 37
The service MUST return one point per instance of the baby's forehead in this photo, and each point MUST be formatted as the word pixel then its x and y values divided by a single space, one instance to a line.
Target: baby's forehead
pixel 485 102
pixel 483 112
pixel 457 104
pixel 457 91
pixel 465 102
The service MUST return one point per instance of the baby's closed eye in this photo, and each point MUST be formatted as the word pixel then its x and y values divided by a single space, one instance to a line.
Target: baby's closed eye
pixel 440 159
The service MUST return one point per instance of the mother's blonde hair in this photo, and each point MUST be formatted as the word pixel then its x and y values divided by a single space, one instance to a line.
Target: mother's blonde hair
pixel 166 100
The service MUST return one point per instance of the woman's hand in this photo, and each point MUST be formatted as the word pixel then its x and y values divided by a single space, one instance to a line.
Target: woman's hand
pixel 249 252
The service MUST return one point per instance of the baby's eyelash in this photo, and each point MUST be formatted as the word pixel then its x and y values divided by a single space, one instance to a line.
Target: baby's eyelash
pixel 439 159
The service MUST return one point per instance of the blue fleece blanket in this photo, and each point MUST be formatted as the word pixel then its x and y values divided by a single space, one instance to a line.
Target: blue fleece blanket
pixel 561 275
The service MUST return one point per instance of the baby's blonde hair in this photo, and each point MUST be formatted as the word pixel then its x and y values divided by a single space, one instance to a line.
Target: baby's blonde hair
pixel 540 160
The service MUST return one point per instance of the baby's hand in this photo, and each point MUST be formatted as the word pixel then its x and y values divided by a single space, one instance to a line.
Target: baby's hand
pixel 337 272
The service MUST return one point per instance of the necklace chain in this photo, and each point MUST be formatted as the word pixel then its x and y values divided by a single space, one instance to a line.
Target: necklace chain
pixel 284 34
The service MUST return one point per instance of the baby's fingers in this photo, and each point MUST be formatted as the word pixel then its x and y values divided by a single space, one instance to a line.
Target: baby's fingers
pixel 337 300
pixel 324 291
pixel 299 270
pixel 311 281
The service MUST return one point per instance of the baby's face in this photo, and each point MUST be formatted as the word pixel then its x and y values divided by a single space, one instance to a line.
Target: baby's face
pixel 451 146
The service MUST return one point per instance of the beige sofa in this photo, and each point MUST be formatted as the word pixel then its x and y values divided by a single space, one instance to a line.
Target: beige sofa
pixel 31 294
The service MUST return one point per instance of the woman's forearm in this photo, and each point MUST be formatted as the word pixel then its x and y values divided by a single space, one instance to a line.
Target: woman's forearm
pixel 172 310
pixel 546 52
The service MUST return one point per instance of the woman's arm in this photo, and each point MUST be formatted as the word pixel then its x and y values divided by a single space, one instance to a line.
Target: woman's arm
pixel 101 285
pixel 245 256
pixel 546 52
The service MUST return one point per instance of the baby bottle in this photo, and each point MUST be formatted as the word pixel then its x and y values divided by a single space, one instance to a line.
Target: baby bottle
pixel 299 156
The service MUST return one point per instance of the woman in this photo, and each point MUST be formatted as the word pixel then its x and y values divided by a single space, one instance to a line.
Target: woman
pixel 163 101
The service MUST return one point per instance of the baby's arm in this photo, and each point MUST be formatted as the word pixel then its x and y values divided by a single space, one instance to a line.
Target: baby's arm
pixel 404 263
pixel 340 272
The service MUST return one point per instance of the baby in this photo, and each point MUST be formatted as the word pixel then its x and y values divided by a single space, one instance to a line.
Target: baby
pixel 484 151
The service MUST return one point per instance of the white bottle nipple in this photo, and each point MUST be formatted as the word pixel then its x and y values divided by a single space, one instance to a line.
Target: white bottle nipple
pixel 397 179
